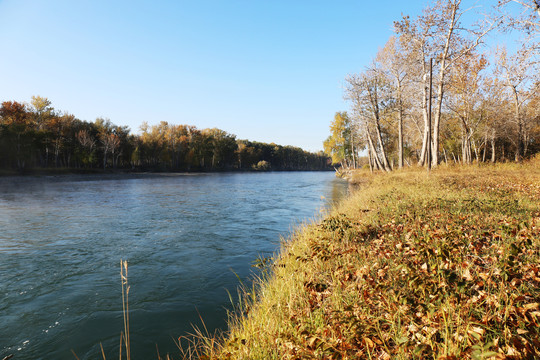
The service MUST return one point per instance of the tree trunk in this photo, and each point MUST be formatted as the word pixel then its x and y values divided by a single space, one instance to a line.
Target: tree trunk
pixel 520 145
pixel 436 125
pixel 440 87
pixel 464 147
pixel 484 149
pixel 517 116
pixel 493 147
pixel 383 153
pixel 400 140
pixel 376 116
pixel 475 149
pixel 373 151
pixel 423 153
pixel 400 128
pixel 526 138
pixel 352 151
pixel 56 154
pixel 370 157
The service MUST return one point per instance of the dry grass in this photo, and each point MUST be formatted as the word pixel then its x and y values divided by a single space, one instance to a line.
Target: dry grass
pixel 438 266
pixel 124 336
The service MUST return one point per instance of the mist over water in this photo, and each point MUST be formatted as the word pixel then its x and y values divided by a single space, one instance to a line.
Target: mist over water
pixel 186 239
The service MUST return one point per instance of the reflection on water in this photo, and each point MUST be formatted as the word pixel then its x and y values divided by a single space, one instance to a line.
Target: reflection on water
pixel 186 237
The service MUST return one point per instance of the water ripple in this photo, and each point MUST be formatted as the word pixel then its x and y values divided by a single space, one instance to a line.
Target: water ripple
pixel 63 237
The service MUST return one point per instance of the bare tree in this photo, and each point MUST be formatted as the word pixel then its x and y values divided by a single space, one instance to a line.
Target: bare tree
pixel 84 138
pixel 523 15
pixel 465 99
pixel 394 63
pixel 110 143
pixel 370 95
pixel 439 34
pixel 518 74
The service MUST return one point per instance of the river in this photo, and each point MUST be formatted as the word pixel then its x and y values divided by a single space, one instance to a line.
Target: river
pixel 187 238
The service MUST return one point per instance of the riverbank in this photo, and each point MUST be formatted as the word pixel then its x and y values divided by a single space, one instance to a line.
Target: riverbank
pixel 442 266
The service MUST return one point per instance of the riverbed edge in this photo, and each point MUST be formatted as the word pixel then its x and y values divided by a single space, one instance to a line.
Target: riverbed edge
pixel 311 302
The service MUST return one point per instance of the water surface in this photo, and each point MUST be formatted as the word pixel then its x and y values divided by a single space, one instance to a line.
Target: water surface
pixel 186 238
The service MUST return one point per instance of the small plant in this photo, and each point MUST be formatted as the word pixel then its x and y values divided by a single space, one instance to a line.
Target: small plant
pixel 339 223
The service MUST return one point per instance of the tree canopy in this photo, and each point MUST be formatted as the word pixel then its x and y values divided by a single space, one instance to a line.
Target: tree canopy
pixel 36 135
pixel 436 88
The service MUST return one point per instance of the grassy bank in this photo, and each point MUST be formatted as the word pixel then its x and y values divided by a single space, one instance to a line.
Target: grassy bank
pixel 443 266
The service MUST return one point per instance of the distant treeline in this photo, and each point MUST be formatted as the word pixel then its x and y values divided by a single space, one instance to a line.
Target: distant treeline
pixel 35 135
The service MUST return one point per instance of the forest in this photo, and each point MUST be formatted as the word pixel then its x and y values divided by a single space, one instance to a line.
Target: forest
pixel 37 136
pixel 440 91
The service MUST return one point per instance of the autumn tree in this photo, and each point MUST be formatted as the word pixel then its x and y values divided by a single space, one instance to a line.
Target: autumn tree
pixel 34 134
pixel 223 147
pixel 88 143
pixel 372 99
pixel 340 145
pixel 152 141
pixel 42 114
pixel 495 112
pixel 179 138
pixel 519 77
pixel 17 131
pixel 524 16
pixel 439 34
pixel 532 111
pixel 42 110
pixel 465 100
pixel 110 137
pixel 393 60
pixel 249 154
pixel 59 126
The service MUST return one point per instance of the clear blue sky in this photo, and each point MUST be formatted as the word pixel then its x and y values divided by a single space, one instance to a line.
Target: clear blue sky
pixel 264 70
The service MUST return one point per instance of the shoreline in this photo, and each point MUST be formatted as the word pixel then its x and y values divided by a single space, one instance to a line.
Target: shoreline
pixel 119 175
pixel 415 265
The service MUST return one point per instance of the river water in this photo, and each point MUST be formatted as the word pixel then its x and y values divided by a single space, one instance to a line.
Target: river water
pixel 187 239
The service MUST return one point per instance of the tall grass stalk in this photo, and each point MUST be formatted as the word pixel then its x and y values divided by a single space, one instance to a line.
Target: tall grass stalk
pixel 102 351
pixel 125 309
